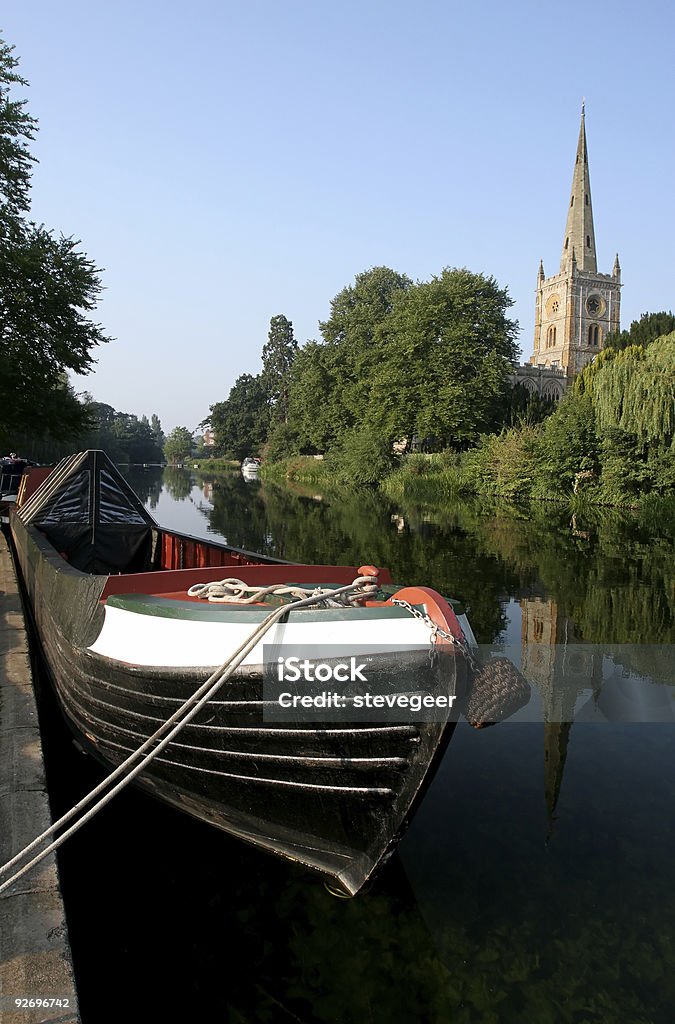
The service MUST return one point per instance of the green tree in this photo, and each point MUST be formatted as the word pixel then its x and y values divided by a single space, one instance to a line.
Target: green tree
pixel 644 331
pixel 316 408
pixel 354 341
pixel 446 351
pixel 241 423
pixel 278 355
pixel 48 288
pixel 157 431
pixel 17 128
pixel 178 445
pixel 331 380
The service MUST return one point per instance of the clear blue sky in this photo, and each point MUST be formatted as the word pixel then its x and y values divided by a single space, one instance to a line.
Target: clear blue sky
pixel 228 162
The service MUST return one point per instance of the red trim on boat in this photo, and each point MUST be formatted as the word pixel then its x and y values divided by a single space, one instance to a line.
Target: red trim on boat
pixel 437 608
pixel 168 582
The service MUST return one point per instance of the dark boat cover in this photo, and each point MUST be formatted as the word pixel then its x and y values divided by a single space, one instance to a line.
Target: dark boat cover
pixel 90 514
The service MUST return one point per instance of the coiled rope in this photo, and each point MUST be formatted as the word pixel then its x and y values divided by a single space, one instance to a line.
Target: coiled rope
pixel 234 591
pixel 361 586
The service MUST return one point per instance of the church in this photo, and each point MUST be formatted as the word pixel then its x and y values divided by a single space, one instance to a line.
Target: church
pixel 577 307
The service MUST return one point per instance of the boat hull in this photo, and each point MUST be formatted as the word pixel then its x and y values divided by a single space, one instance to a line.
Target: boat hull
pixel 333 795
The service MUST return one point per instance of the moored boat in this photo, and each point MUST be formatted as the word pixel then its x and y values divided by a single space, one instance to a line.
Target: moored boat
pixel 127 637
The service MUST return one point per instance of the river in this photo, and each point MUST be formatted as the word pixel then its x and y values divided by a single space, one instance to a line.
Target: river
pixel 537 879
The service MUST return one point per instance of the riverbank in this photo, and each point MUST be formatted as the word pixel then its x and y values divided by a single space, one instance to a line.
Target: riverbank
pixel 214 465
pixel 434 479
pixel 35 960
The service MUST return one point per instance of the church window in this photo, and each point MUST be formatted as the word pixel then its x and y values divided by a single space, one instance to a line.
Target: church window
pixel 586 197
pixel 567 242
pixel 550 337
pixel 572 201
pixel 555 306
pixel 588 241
pixel 593 335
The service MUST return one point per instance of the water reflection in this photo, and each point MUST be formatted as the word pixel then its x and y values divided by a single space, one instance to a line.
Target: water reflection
pixel 610 583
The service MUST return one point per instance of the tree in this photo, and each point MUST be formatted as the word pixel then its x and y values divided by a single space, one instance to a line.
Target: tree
pixel 16 128
pixel 316 409
pixel 178 445
pixel 48 288
pixel 278 355
pixel 240 424
pixel 447 350
pixel 353 336
pixel 644 331
pixel 157 431
pixel 331 380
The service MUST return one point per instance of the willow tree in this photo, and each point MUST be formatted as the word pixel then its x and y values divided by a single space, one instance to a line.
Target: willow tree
pixel 635 392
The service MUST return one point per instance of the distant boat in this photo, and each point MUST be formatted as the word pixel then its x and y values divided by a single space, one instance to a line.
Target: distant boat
pixel 250 466
pixel 126 645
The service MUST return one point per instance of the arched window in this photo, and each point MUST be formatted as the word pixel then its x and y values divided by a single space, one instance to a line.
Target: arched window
pixel 594 335
pixel 586 197
pixel 588 241
pixel 550 337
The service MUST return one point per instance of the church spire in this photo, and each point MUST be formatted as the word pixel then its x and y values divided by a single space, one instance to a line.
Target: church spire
pixel 579 232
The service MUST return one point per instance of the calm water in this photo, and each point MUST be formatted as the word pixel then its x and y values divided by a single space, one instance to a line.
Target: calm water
pixel 537 880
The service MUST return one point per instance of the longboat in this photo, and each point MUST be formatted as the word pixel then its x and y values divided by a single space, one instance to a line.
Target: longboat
pixel 125 645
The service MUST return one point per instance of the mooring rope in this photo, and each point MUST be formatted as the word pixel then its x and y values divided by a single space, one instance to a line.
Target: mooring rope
pixel 192 706
pixel 234 591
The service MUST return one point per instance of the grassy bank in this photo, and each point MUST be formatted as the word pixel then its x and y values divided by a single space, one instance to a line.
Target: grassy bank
pixel 304 469
pixel 213 465
pixel 439 478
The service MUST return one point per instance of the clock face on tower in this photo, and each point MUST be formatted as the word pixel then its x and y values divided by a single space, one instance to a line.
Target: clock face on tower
pixel 595 305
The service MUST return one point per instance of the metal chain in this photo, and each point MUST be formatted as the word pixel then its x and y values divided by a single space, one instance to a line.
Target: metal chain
pixel 437 631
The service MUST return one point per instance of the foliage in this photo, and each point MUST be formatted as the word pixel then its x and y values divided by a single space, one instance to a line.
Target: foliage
pixel 364 457
pixel 278 355
pixel 240 423
pixel 331 383
pixel 636 392
pixel 48 288
pixel 178 445
pixel 124 436
pixel 282 442
pixel 316 409
pixel 569 445
pixel 644 331
pixel 504 464
pixel 157 432
pixel 298 469
pixel 449 350
pixel 527 408
pixel 17 128
pixel 429 360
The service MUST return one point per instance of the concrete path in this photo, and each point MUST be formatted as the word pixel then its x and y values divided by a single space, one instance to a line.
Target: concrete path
pixel 35 960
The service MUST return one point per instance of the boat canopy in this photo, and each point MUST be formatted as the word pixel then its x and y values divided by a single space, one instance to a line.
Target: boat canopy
pixel 92 516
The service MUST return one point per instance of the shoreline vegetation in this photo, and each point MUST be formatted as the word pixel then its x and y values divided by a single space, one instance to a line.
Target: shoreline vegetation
pixel 435 479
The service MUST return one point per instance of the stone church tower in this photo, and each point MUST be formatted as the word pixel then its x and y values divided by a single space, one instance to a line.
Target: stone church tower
pixel 577 307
